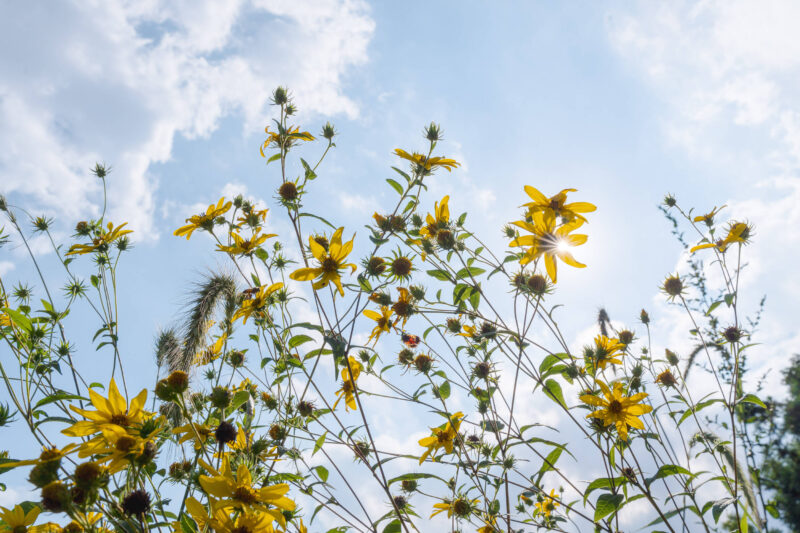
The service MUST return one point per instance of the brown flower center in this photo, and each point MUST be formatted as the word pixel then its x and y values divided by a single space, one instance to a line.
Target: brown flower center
pixel 120 419
pixel 245 494
pixel 329 265
pixel 125 443
pixel 615 407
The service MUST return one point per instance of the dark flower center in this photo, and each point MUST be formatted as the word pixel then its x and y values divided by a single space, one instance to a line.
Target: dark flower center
pixel 615 407
pixel 245 494
pixel 329 265
pixel 120 419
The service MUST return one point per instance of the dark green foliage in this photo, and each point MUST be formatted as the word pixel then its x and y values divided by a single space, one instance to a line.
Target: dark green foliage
pixel 782 468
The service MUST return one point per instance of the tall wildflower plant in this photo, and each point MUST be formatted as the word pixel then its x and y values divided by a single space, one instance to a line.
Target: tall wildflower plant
pixel 262 421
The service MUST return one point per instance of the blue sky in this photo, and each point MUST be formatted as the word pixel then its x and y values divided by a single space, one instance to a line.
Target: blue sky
pixel 623 101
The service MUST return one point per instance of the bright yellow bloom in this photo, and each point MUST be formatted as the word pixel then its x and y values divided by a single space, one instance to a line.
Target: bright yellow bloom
pixel 428 163
pixel 460 507
pixel 220 520
pixel 243 246
pixel 102 241
pixel 556 206
pixel 199 433
pixel 404 306
pixel 237 492
pixel 18 521
pixel 437 221
pixel 442 437
pixel 276 138
pixel 256 304
pixel 52 453
pixel 331 261
pixel 204 220
pixel 548 505
pixel 349 384
pixel 618 409
pixel 117 448
pixel 5 320
pixel 112 413
pixel 211 353
pixel 383 319
pixel 549 241
pixel 82 521
pixel 738 232
pixel 607 351
pixel 708 218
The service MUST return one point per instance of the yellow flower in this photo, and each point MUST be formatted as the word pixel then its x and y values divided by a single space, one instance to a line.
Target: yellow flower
pixel 618 409
pixel 331 261
pixel 237 492
pixel 200 433
pixel 548 505
pixel 556 206
pixel 461 507
pixel 102 241
pixel 52 453
pixel 116 447
pixel 18 521
pixel 549 241
pixel 607 351
pixel 203 220
pixel 738 232
pixel 211 353
pixel 256 304
pixel 243 246
pixel 257 522
pixel 437 221
pixel 112 413
pixel 276 138
pixel 349 384
pixel 384 320
pixel 442 437
pixel 708 218
pixel 428 163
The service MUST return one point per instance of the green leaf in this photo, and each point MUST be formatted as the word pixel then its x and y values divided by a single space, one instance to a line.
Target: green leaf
pixel 322 472
pixel 187 524
pixel 550 462
pixel 553 390
pixel 318 218
pixel 602 483
pixel 414 476
pixel 393 527
pixel 18 318
pixel 718 507
pixel 396 186
pixel 607 504
pixel 699 407
pixel 238 400
pixel 439 274
pixel 61 395
pixel 470 271
pixel 298 340
pixel 274 158
pixel 667 470
pixel 444 390
pixel 318 444
pixel 713 306
pixel 752 398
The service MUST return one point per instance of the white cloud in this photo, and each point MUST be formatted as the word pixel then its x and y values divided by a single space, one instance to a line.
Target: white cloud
pixel 6 267
pixel 118 81
pixel 729 75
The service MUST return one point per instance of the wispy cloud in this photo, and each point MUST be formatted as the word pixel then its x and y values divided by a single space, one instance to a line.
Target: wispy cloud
pixel 127 78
